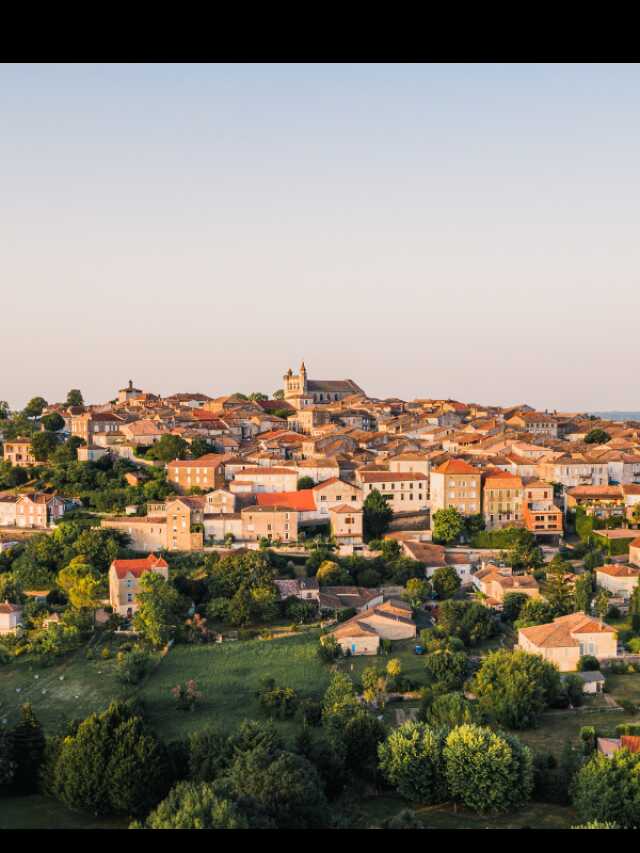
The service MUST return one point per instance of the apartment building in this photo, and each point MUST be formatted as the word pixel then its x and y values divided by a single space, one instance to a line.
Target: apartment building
pixel 205 473
pixel 456 484
pixel 269 522
pixel 18 452
pixel 405 491
pixel 541 516
pixel 502 500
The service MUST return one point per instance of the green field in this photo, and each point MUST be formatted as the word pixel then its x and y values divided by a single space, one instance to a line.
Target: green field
pixel 36 812
pixel 370 812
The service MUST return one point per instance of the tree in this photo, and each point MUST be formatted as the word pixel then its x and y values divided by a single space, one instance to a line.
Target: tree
pixel 512 605
pixel 601 603
pixel 43 444
pixel 556 588
pixel 35 407
pixel 285 787
pixel 536 611
pixel 7 764
pixel 111 765
pixel 514 687
pixel 470 621
pixel 5 411
pixel 446 582
pixel 634 609
pixel 75 398
pixel 305 483
pixel 27 748
pixel 194 805
pixel 417 592
pixel 583 592
pixel 168 448
pixel 159 609
pixel 53 422
pixel 81 584
pixel 278 395
pixel 376 515
pixel 411 760
pixel 487 772
pixel 608 789
pixel 332 574
pixel 597 436
pixel 446 668
pixel 200 447
pixel 450 710
pixel 448 526
pixel 209 754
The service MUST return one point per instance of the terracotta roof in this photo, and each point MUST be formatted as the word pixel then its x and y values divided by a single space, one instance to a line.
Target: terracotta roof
pixel 266 469
pixel 210 460
pixel 393 476
pixel 303 501
pixel 456 466
pixel 138 567
pixel 630 742
pixel 618 571
pixel 7 607
pixel 559 632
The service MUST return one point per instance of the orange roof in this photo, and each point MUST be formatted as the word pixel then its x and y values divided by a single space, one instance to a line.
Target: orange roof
pixel 456 466
pixel 138 567
pixel 630 742
pixel 302 501
pixel 559 633
pixel 618 571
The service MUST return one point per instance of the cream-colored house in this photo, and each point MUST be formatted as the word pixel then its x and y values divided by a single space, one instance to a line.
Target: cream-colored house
pixel 634 552
pixel 496 584
pixel 10 615
pixel 617 579
pixel 124 581
pixel 347 524
pixel 361 635
pixel 567 638
pixel 456 484
pixel 269 522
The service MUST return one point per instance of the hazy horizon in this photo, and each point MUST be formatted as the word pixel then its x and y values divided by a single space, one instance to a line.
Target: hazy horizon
pixel 463 231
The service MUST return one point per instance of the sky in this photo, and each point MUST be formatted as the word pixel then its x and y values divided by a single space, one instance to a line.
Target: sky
pixel 464 231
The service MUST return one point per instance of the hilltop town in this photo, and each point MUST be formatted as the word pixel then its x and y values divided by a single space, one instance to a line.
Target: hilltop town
pixel 332 572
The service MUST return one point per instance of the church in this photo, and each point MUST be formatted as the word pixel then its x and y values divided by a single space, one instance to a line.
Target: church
pixel 301 392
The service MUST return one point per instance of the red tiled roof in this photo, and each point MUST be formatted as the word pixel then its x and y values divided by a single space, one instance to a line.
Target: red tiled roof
pixel 138 567
pixel 303 501
pixel 456 466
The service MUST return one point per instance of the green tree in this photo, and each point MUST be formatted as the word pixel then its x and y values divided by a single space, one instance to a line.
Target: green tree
pixel 450 710
pixel 597 436
pixel 634 610
pixel 376 515
pixel 82 585
pixel 411 760
pixel 448 526
pixel 487 772
pixel 332 574
pixel 601 603
pixel 35 407
pixel 536 611
pixel 583 592
pixel 305 483
pixel 446 668
pixel 557 589
pixel 512 605
pixel 111 765
pixel 200 447
pixel 75 398
pixel 446 582
pixel 43 444
pixel 608 789
pixel 159 611
pixel 53 422
pixel 27 747
pixel 417 592
pixel 514 687
pixel 470 621
pixel 168 448
pixel 194 805
pixel 278 395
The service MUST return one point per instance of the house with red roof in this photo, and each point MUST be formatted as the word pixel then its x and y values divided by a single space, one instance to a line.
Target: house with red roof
pixel 124 581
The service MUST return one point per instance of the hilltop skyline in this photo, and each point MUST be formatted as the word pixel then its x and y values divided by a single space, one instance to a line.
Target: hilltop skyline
pixel 431 230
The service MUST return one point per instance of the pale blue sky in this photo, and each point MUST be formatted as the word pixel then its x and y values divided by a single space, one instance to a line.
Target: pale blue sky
pixel 447 230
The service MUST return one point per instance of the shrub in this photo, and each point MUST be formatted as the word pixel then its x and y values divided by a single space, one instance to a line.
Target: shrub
pixel 588 738
pixel 588 663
